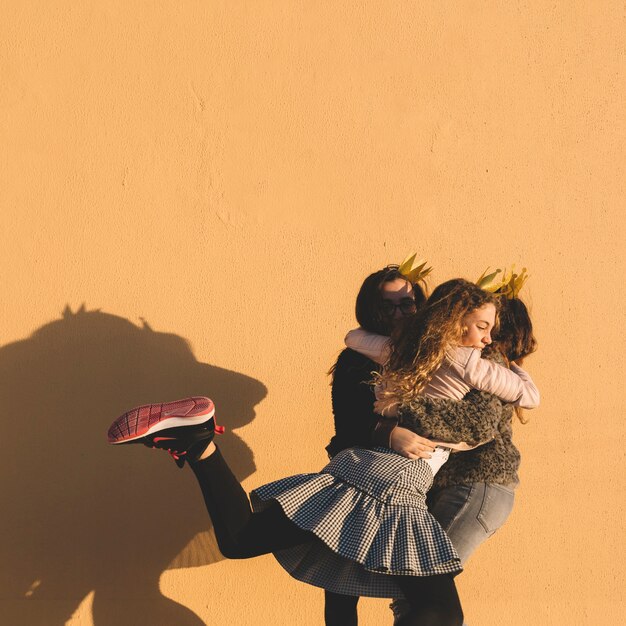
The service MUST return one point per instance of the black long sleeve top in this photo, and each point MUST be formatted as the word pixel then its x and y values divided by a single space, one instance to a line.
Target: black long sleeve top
pixel 353 402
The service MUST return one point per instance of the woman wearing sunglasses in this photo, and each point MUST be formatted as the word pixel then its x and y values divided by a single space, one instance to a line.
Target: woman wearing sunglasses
pixel 473 493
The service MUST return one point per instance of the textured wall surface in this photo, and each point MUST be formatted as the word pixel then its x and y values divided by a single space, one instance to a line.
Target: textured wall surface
pixel 190 195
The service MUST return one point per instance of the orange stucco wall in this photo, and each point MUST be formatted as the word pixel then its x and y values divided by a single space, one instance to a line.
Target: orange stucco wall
pixel 190 195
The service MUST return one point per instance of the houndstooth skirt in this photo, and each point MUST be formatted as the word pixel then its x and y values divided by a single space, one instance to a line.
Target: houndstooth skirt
pixel 367 510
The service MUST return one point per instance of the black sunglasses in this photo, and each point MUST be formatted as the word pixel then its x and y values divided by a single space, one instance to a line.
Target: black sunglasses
pixel 406 306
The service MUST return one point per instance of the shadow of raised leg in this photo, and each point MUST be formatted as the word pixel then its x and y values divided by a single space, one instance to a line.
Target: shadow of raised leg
pixel 83 515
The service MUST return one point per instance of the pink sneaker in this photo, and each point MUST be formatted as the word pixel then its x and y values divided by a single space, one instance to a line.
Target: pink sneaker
pixel 184 428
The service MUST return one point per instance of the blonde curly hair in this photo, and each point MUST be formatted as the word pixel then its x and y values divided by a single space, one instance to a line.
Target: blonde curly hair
pixel 419 344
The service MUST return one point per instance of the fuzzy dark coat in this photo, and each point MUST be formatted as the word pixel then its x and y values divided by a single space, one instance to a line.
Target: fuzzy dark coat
pixel 477 418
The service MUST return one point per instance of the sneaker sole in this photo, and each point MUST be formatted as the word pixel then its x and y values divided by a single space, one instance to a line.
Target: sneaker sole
pixel 152 418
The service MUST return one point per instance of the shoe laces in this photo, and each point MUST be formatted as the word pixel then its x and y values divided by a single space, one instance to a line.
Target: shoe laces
pixel 178 455
pixel 175 454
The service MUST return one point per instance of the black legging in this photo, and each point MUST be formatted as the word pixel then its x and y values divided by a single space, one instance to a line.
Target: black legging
pixel 340 610
pixel 242 534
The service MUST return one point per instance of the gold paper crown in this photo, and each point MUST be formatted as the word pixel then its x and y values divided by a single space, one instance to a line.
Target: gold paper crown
pixel 507 285
pixel 414 271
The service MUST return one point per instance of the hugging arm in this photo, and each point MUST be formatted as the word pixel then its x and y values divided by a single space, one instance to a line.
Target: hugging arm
pixel 510 385
pixel 473 420
pixel 374 347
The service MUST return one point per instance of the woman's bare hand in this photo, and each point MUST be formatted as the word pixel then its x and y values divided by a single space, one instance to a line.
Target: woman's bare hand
pixel 410 445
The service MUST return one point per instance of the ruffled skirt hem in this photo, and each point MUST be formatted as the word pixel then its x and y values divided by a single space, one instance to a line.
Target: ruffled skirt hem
pixel 368 530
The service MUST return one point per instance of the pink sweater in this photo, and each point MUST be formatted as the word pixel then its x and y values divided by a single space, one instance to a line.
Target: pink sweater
pixel 462 370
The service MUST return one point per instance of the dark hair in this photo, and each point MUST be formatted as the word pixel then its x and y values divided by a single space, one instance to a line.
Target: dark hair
pixel 515 337
pixel 369 301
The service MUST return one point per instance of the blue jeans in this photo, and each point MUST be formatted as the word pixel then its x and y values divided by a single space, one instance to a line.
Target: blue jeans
pixel 470 514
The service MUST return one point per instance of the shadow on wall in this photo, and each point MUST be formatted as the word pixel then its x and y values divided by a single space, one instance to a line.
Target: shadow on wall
pixel 80 515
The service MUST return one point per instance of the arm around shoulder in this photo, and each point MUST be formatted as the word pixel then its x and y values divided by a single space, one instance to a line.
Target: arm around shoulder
pixel 510 385
pixel 530 398
pixel 374 347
